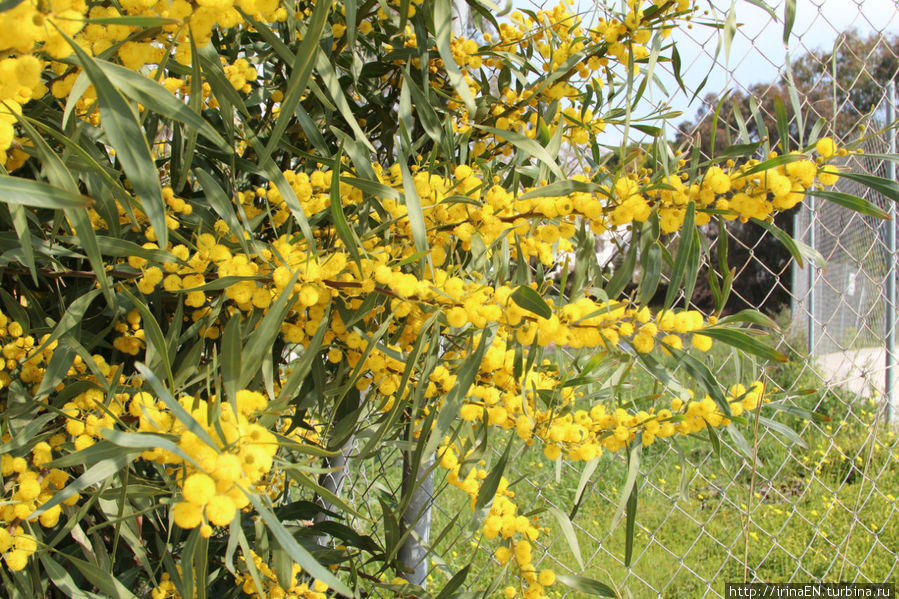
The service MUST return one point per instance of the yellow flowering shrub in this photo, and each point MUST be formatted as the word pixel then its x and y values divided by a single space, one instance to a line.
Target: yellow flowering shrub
pixel 247 243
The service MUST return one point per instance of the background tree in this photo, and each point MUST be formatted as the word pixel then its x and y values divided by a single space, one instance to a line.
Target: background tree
pixel 841 86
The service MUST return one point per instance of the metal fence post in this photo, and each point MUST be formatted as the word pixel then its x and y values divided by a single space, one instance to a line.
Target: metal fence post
pixel 890 366
pixel 417 518
pixel 811 278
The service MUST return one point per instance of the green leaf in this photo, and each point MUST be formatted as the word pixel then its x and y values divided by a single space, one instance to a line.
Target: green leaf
pixel 701 373
pixel 222 205
pixel 531 301
pixel 784 430
pixel 651 264
pixel 789 19
pixel 157 98
pixel 88 238
pixel 772 163
pixel 685 246
pixel 232 346
pixel 145 441
pixel 60 578
pixel 426 115
pixel 301 68
pixel 97 473
pixel 453 403
pixel 586 585
pixel 749 316
pixel 623 274
pixel 132 21
pixel 157 353
pixel 122 248
pixel 27 192
pixel 339 218
pixel 123 130
pixel 176 408
pixel 413 205
pixel 568 532
pixel 263 338
pixel 633 470
pixel 443 22
pixel 783 124
pixel 453 583
pixel 796 248
pixel 887 187
pixel 105 582
pixel 564 188
pixel 526 145
pixel 487 492
pixel 630 525
pixel 744 342
pixel 302 557
pixel 73 316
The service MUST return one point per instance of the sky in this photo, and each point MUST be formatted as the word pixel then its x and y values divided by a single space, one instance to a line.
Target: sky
pixel 758 53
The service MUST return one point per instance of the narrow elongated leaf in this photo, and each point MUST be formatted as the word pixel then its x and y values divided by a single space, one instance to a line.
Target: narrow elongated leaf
pixel 623 274
pixel 73 316
pixel 586 585
pixel 159 357
pixel 302 557
pixel 122 129
pixel 789 19
pixel 221 204
pixel 684 247
pixel 783 124
pixel 88 238
pixel 652 273
pixel 339 218
pixel 796 248
pixel 453 403
pixel 564 188
pixel 487 492
pixel 133 21
pixel 453 583
pixel 413 205
pixel 887 187
pixel 109 585
pixel 784 430
pixel 232 346
pixel 176 408
pixel 264 336
pixel 744 342
pixel 27 192
pixel 531 301
pixel 426 115
pixel 145 441
pixel 443 22
pixel 155 97
pixel 528 146
pixel 301 68
pixel 749 316
pixel 568 532
pixel 97 473
pixel 630 525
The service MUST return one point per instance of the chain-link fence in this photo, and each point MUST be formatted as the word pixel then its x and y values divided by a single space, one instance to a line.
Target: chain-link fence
pixel 820 505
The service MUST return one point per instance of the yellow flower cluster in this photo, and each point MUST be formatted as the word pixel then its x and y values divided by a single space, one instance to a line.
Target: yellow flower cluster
pixel 166 588
pixel 132 335
pixel 295 589
pixel 215 479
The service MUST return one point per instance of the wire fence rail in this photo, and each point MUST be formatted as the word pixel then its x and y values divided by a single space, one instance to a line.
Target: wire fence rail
pixel 820 504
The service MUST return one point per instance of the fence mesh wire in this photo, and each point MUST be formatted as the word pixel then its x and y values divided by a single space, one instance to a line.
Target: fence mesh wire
pixel 821 505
